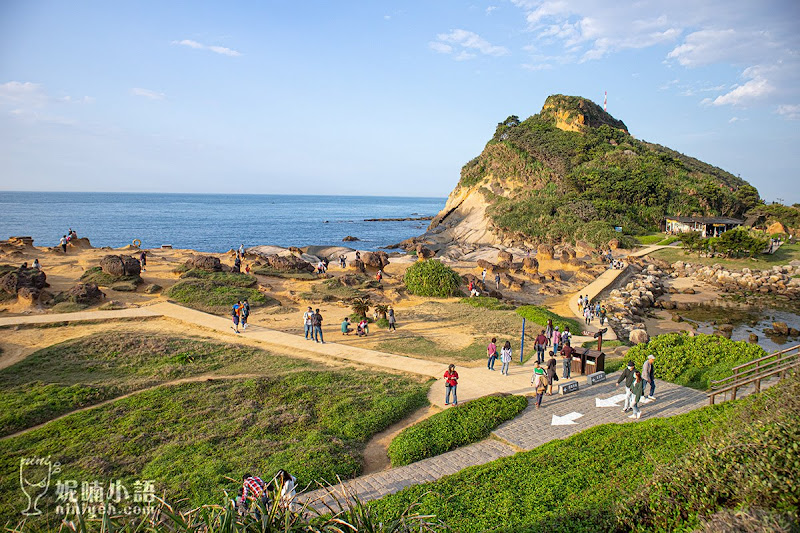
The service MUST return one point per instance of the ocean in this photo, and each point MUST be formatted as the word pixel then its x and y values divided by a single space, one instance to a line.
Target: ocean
pixel 213 222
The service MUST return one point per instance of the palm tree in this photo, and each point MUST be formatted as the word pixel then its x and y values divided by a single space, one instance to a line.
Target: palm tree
pixel 382 309
pixel 360 306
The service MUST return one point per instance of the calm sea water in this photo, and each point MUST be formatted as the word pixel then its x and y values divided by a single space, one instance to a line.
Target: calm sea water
pixel 212 222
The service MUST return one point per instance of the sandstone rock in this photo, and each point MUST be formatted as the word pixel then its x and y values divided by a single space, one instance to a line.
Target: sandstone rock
pixel 28 295
pixel 375 260
pixel 504 256
pixel 613 244
pixel 289 263
pixel 424 253
pixel 753 338
pixel 357 265
pixel 794 332
pixel 689 290
pixel 530 265
pixel 780 328
pixel 583 248
pixel 638 336
pixel 203 262
pixel 30 278
pixel 350 238
pixel 504 265
pixel 544 251
pixel 776 227
pixel 677 318
pixel 153 288
pixel 482 263
pixel 85 293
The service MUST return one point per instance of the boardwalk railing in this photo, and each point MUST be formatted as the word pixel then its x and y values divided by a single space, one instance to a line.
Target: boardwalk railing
pixel 776 364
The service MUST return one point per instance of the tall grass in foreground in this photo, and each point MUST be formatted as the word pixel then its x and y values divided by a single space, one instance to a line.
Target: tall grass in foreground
pixel 336 511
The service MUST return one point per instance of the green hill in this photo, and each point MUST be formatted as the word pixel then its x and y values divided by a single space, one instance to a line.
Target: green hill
pixel 574 172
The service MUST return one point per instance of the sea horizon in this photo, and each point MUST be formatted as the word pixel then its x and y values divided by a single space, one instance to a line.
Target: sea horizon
pixel 213 222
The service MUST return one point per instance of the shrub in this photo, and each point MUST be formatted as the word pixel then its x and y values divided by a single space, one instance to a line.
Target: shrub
pixel 383 323
pixel 360 306
pixel 694 361
pixel 231 279
pixel 541 315
pixel 454 427
pixel 432 278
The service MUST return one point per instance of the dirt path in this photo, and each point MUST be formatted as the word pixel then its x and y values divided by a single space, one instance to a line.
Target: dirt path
pixel 375 457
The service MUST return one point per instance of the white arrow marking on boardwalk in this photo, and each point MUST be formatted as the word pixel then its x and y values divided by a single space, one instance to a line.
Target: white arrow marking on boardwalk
pixel 565 420
pixel 609 402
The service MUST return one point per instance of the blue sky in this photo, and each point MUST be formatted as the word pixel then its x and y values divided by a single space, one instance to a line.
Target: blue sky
pixel 381 97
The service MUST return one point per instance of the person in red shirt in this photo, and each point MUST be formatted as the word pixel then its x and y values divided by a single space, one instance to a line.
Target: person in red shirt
pixel 450 384
pixel 566 353
pixel 253 489
pixel 541 344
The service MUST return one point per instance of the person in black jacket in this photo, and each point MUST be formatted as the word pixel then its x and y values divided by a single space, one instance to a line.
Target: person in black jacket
pixel 627 376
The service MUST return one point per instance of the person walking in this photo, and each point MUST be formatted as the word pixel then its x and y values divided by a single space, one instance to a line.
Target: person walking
pixel 63 243
pixel 548 330
pixel 538 382
pixel 241 250
pixel 245 314
pixel 236 313
pixel 587 314
pixel 597 308
pixel 491 354
pixel 505 358
pixel 497 281
pixel 566 360
pixel 392 320
pixel 648 375
pixel 237 264
pixel 316 321
pixel 451 384
pixel 379 275
pixel 556 340
pixel 602 314
pixel 541 344
pixel 552 374
pixel 483 276
pixel 580 303
pixel 637 390
pixel 308 323
pixel 627 377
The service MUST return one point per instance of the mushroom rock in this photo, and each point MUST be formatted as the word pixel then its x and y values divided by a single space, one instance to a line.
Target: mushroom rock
pixel 544 251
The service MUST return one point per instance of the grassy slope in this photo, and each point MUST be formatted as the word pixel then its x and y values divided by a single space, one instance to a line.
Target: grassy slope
pixel 189 437
pixel 785 254
pixel 86 371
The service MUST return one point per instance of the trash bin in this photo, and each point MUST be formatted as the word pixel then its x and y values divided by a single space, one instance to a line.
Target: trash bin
pixel 594 361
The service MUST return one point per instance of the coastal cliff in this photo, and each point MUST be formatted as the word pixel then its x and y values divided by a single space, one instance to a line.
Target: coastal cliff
pixel 573 172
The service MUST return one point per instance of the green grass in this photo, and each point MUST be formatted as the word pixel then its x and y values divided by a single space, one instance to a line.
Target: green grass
pixel 606 344
pixel 486 302
pixel 454 427
pixel 694 361
pixel 213 297
pixel 88 370
pixel 269 271
pixel 651 238
pixel 784 255
pixel 333 289
pixel 189 438
pixel 669 240
pixel 418 346
pixel 532 491
pixel 68 307
pixel 541 315
pixel 230 279
pixel 97 276
pixel 610 477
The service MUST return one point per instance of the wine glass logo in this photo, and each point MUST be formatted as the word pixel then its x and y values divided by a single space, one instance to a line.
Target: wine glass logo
pixel 34 479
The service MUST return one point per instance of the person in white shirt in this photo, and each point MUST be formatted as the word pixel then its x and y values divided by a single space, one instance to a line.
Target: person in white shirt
pixel 307 323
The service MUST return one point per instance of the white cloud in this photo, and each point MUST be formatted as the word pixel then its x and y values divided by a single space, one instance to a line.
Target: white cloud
pixel 147 93
pixel 24 94
pixel 387 17
pixel 490 9
pixel 200 46
pixel 733 119
pixel 789 111
pixel 467 43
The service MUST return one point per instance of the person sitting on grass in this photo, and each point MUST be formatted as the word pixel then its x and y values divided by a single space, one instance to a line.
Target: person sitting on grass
pixel 346 329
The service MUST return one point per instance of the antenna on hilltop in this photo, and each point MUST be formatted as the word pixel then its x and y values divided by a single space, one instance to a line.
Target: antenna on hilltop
pixel 605 101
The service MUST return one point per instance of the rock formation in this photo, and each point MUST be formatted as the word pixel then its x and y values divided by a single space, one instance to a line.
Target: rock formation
pixel 121 265
pixel 84 293
pixel 204 262
pixel 376 260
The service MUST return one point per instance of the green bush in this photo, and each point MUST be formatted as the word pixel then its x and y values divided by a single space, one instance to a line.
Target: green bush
pixel 432 278
pixel 383 323
pixel 97 276
pixel 454 427
pixel 694 361
pixel 487 302
pixel 541 315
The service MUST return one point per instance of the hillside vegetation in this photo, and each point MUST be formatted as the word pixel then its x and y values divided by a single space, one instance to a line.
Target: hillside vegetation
pixel 574 172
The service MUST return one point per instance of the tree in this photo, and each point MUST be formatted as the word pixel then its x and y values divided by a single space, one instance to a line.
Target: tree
pixel 360 306
pixel 382 309
pixel 748 197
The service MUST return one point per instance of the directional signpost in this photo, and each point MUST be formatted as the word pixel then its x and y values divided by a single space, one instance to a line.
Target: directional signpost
pixel 566 420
